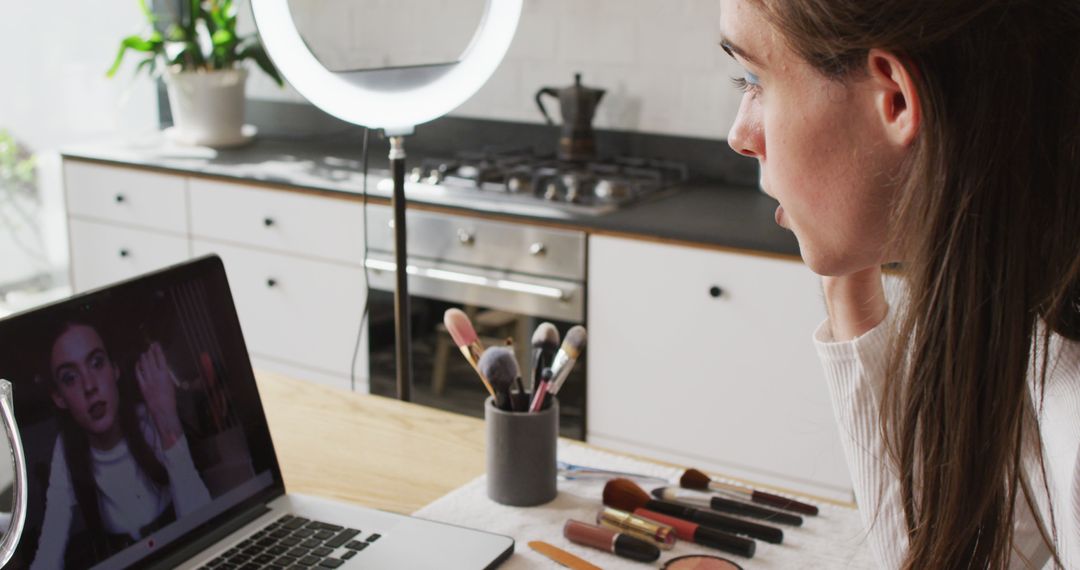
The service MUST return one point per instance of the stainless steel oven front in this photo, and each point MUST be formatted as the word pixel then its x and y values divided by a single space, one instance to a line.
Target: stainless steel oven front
pixel 508 277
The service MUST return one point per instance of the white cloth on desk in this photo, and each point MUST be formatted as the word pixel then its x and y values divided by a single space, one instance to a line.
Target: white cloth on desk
pixel 834 539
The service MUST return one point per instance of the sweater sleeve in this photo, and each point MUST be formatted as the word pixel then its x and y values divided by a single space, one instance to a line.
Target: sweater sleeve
pixel 189 493
pixel 855 374
pixel 855 371
pixel 59 504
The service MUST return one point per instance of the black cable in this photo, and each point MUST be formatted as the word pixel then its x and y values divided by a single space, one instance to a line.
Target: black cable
pixel 367 288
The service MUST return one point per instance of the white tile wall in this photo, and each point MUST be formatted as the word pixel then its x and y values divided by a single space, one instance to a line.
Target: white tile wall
pixel 659 60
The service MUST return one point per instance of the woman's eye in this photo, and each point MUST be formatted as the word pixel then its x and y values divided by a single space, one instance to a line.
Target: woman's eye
pixel 97 362
pixel 748 83
pixel 67 379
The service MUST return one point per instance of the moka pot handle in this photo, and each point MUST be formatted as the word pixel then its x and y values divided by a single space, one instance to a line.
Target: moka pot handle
pixel 540 103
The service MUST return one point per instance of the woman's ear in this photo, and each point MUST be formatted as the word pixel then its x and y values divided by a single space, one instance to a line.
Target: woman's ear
pixel 896 97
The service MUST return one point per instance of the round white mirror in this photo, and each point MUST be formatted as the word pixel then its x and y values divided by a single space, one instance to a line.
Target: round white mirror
pixel 399 87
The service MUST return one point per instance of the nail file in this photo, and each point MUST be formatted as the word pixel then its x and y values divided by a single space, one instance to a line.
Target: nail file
pixel 561 556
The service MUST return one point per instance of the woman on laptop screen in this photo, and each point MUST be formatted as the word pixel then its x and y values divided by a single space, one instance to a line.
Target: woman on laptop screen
pixel 121 461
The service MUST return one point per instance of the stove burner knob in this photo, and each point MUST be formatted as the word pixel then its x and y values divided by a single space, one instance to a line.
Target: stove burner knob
pixel 551 192
pixel 537 249
pixel 573 195
pixel 466 237
pixel 416 174
pixel 517 184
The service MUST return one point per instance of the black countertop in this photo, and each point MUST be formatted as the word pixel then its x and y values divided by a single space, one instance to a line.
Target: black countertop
pixel 710 215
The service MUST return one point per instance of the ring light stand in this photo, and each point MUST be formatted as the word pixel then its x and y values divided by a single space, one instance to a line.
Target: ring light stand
pixel 395 100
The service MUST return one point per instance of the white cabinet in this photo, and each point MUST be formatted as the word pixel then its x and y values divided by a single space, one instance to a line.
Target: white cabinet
pixel 294 261
pixel 102 253
pixel 297 311
pixel 705 359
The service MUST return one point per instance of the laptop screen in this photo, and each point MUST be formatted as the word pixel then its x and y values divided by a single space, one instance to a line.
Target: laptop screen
pixel 139 416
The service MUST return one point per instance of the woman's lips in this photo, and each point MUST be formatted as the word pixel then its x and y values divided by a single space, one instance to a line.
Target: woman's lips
pixel 97 410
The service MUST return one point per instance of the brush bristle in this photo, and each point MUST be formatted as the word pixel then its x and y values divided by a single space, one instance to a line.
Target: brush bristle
pixel 545 336
pixel 694 479
pixel 459 326
pixel 575 341
pixel 625 495
pixel 499 366
pixel 666 493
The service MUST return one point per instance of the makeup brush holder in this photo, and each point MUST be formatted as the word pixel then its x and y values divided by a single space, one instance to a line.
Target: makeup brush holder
pixel 521 454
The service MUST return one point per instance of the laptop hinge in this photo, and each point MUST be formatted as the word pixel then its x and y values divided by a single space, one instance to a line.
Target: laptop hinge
pixel 192 549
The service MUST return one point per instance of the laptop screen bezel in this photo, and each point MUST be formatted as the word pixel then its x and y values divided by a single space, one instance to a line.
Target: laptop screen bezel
pixel 206 267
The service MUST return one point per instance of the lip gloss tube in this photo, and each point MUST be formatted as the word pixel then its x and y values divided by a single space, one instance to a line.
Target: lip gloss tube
pixel 662 535
pixel 610 541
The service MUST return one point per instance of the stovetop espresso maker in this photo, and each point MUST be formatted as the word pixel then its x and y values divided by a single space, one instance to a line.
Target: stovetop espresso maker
pixel 578 105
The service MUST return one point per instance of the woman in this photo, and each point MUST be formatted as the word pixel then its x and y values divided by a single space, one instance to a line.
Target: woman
pixel 944 135
pixel 126 466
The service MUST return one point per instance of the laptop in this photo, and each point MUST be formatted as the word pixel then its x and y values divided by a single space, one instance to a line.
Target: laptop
pixel 147 445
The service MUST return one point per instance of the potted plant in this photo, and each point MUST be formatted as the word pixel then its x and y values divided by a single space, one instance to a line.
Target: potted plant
pixel 198 52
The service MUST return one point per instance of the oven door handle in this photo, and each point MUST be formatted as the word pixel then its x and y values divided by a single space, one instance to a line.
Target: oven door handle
pixel 471 279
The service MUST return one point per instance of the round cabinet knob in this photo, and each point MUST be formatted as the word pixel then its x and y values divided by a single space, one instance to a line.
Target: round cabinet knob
pixel 537 249
pixel 271 283
pixel 466 237
pixel 715 292
pixel 124 253
pixel 120 198
pixel 268 221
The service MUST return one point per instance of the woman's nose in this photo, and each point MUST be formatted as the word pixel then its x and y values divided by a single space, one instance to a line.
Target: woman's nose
pixel 747 136
pixel 90 384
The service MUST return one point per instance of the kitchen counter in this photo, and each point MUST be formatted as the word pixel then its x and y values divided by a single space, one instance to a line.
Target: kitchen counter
pixel 698 214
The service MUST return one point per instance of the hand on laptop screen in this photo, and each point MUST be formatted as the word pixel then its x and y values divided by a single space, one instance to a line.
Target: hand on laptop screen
pixel 127 423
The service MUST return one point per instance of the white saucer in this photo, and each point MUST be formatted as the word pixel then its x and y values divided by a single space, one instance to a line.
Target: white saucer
pixel 247 134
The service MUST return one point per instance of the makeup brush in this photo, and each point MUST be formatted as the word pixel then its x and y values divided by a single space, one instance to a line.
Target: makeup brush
pixel 705 536
pixel 464 335
pixel 541 391
pixel 499 366
pixel 727 506
pixel 564 361
pixel 625 495
pixel 519 398
pixel 694 479
pixel 545 341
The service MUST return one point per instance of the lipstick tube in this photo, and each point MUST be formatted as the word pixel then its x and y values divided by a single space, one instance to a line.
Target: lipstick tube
pixel 662 535
pixel 610 541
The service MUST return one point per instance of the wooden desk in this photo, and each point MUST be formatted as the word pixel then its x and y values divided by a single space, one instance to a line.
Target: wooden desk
pixel 375 451
pixel 370 450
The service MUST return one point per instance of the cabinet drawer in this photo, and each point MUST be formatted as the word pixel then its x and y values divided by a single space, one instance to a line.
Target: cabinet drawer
pixel 103 254
pixel 731 382
pixel 295 310
pixel 132 197
pixel 276 219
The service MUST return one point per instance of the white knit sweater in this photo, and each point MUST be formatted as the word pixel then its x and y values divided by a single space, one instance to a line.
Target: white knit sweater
pixel 855 372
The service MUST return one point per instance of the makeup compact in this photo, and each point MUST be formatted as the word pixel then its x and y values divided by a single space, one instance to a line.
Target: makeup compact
pixel 700 562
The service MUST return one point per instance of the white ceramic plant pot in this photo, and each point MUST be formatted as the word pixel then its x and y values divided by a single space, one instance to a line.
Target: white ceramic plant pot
pixel 207 106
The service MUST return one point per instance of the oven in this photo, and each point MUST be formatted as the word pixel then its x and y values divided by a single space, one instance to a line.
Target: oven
pixel 507 277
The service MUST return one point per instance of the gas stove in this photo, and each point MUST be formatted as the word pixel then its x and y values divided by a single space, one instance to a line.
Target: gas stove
pixel 524 182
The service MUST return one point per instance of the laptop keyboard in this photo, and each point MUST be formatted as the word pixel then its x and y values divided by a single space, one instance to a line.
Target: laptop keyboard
pixel 294 542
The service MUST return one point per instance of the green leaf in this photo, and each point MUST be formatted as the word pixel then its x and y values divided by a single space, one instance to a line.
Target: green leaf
pixel 222 38
pixel 256 52
pixel 133 43
pixel 150 15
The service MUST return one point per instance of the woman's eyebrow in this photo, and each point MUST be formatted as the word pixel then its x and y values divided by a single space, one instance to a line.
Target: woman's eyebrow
pixel 734 50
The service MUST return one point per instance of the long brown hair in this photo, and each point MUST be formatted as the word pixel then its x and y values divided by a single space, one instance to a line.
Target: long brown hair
pixel 987 220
